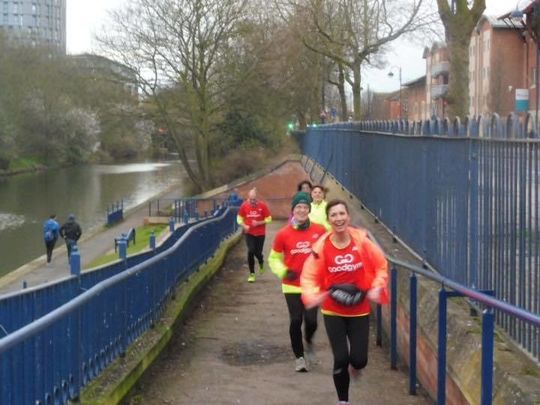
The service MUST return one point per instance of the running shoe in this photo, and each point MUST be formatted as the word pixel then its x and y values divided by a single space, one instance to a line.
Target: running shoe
pixel 309 352
pixel 261 268
pixel 301 365
pixel 251 278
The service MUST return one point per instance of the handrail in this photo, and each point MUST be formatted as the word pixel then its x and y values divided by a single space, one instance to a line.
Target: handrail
pixel 39 324
pixel 473 294
pixel 459 290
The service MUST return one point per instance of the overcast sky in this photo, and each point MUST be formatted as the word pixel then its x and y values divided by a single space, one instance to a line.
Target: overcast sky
pixel 85 18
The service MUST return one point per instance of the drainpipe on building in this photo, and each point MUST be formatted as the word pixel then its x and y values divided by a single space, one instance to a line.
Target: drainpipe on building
pixel 537 92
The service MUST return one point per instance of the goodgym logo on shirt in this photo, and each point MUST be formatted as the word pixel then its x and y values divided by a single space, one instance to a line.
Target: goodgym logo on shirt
pixel 253 213
pixel 345 263
pixel 303 247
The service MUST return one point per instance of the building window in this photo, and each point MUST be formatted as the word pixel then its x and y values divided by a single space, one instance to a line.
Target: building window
pixel 533 77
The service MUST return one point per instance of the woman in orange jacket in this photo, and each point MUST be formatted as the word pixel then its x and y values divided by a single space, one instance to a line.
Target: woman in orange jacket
pixel 345 271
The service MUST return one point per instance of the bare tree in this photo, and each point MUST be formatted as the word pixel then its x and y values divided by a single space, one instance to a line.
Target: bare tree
pixel 353 33
pixel 175 46
pixel 459 22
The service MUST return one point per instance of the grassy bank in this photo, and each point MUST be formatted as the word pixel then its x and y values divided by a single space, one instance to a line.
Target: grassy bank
pixel 142 239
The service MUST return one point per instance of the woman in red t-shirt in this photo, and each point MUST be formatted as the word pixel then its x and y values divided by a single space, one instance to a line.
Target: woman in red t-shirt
pixel 346 267
pixel 292 245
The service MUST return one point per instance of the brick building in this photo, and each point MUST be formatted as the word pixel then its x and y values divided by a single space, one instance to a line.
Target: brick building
pixel 499 54
pixel 437 68
pixel 415 96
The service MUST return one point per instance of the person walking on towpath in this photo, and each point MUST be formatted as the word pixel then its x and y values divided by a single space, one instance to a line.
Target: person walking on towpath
pixel 291 247
pixel 51 231
pixel 253 215
pixel 71 232
pixel 345 268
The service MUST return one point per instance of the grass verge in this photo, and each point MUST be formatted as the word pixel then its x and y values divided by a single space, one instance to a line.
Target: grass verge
pixel 142 238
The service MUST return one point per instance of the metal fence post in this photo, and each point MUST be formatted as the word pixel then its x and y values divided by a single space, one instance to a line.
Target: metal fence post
pixel 441 363
pixel 75 261
pixel 152 240
pixel 487 356
pixel 393 319
pixel 412 333
pixel 122 247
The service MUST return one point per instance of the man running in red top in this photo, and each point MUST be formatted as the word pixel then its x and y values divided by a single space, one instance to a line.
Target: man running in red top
pixel 253 215
pixel 290 249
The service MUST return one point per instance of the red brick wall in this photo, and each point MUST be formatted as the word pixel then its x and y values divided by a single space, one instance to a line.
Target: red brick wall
pixel 276 188
pixel 416 96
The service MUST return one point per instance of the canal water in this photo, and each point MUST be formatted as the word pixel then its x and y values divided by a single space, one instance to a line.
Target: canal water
pixel 26 200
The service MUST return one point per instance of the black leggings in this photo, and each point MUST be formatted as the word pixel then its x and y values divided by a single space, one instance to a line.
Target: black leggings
pixel 297 314
pixel 255 249
pixel 356 330
pixel 49 245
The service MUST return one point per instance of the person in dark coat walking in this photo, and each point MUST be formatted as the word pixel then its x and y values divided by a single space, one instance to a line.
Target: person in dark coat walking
pixel 51 230
pixel 71 232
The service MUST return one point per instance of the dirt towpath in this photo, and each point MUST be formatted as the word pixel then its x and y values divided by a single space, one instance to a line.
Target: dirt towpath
pixel 234 349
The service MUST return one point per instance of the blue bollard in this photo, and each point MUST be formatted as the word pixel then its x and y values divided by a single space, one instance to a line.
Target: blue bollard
pixel 122 247
pixel 171 224
pixel 75 261
pixel 152 241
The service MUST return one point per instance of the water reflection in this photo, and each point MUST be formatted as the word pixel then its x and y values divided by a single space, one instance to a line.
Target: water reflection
pixel 86 191
pixel 8 221
pixel 129 168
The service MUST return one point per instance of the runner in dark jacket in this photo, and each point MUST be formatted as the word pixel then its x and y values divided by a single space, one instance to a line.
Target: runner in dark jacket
pixel 71 232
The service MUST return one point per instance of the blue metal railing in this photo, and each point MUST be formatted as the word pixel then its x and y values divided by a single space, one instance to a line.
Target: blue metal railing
pixel 115 213
pixel 480 297
pixel 464 195
pixel 73 339
pixel 185 209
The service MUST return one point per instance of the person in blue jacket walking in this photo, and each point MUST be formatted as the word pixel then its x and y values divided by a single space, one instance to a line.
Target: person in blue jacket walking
pixel 51 231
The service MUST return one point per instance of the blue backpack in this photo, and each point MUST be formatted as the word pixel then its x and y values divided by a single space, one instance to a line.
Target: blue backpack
pixel 49 235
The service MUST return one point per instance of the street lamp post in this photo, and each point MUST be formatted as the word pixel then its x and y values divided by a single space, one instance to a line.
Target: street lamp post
pixel 391 74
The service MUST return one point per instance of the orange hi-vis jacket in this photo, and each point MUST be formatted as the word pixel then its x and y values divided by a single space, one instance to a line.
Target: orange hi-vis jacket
pixel 362 264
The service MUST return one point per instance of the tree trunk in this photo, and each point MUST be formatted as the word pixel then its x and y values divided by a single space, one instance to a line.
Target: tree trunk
pixel 356 91
pixel 342 95
pixel 459 22
pixel 458 81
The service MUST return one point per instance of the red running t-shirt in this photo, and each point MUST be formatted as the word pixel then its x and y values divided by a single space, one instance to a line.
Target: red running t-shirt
pixel 254 212
pixel 296 247
pixel 344 266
